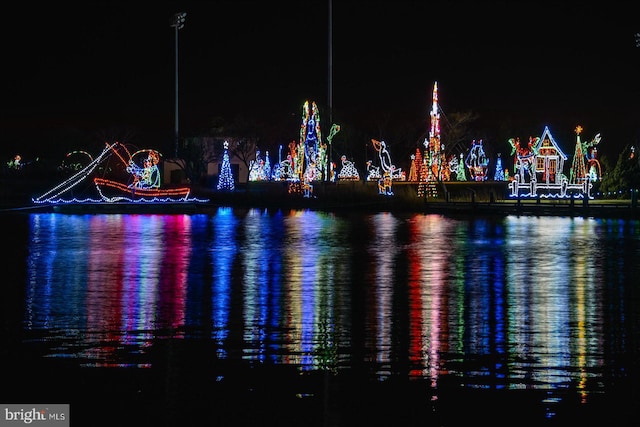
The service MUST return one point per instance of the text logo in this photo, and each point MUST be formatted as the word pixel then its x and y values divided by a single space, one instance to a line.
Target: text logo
pixel 40 415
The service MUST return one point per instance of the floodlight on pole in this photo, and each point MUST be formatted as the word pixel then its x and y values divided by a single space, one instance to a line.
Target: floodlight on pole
pixel 178 23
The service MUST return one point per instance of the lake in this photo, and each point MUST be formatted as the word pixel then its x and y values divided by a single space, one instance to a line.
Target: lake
pixel 298 317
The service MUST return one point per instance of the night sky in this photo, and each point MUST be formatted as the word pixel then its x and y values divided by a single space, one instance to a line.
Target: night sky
pixel 81 74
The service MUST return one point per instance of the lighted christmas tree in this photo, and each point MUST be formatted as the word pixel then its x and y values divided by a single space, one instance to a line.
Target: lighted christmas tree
pixel 225 178
pixel 578 171
pixel 416 164
pixel 585 165
pixel 462 174
pixel 267 166
pixel 499 176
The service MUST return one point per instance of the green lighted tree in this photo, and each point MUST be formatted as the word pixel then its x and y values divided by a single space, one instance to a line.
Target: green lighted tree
pixel 625 176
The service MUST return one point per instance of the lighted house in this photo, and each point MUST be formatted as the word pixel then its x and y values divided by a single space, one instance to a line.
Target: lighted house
pixel 549 161
pixel 544 163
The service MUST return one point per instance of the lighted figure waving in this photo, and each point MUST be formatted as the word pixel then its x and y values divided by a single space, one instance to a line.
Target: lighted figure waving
pixel 525 156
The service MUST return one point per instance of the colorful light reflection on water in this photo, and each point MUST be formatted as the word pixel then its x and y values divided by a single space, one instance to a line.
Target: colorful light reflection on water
pixel 513 302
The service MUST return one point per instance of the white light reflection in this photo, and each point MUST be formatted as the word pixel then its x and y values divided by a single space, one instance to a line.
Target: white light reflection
pixel 382 252
pixel 256 257
pixel 431 253
pixel 553 314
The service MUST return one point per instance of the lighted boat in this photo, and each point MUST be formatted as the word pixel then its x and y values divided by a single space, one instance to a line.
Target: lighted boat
pixel 130 180
pixel 110 190
pixel 143 179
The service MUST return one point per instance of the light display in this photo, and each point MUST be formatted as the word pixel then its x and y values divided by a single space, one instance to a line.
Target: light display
pixel 225 178
pixel 416 163
pixel 434 153
pixel 388 168
pixel 148 175
pixel 385 184
pixel 256 168
pixel 373 172
pixel 348 170
pixel 15 163
pixel 585 164
pixel 538 170
pixel 477 162
pixel 267 166
pixel 75 160
pixel 105 185
pixel 332 133
pixel 286 169
pixel 146 179
pixel 462 170
pixel 18 163
pixel 307 160
pixel 499 173
pixel 75 179
pixel 549 161
pixel 524 157
pixel 142 185
pixel 311 152
pixel 431 166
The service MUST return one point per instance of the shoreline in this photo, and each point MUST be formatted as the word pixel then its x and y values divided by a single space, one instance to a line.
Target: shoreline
pixel 594 209
pixel 450 198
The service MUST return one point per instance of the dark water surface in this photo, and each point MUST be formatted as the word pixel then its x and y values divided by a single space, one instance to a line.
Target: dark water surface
pixel 258 317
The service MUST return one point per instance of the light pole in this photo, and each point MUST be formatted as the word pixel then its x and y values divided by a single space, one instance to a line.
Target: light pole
pixel 330 79
pixel 178 23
